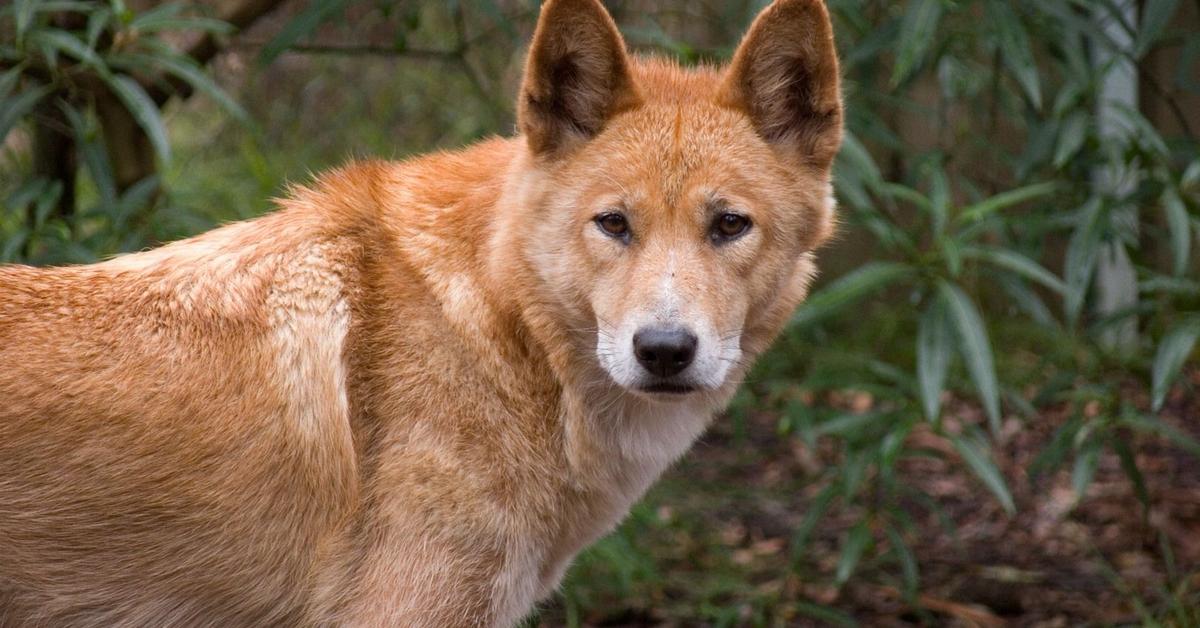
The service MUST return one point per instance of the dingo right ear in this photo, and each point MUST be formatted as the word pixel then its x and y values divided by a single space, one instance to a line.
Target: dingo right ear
pixel 576 77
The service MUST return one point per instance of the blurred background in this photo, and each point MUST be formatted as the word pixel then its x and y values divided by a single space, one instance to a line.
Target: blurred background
pixel 986 415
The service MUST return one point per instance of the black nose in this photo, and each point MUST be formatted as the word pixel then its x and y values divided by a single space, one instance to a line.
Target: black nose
pixel 665 352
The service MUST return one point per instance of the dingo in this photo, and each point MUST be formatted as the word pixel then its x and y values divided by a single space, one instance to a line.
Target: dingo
pixel 414 393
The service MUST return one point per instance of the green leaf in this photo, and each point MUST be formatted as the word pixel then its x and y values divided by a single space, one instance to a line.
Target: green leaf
pixel 933 357
pixel 67 43
pixel 847 425
pixel 1085 468
pixel 301 27
pixel 1172 352
pixel 984 469
pixel 1027 300
pixel 857 156
pixel 1156 15
pixel 94 155
pixel 98 20
pixel 24 16
pixel 848 289
pixel 974 347
pixel 8 80
pixel 1181 231
pixel 856 543
pixel 1017 263
pixel 12 110
pixel 193 75
pixel 1082 251
pixel 144 111
pixel 1015 49
pixel 1071 136
pixel 1129 465
pixel 917 34
pixel 1172 434
pixel 984 208
pixel 812 517
pixel 907 560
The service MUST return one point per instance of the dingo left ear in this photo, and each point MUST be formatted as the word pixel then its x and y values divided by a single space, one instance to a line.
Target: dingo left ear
pixel 785 77
pixel 576 77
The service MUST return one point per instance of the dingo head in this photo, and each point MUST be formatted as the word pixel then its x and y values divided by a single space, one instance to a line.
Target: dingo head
pixel 673 210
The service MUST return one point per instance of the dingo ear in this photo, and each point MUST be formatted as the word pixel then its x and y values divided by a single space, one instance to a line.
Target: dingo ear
pixel 576 77
pixel 785 77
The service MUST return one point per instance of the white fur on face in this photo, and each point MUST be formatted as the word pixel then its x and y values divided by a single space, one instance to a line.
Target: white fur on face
pixel 717 350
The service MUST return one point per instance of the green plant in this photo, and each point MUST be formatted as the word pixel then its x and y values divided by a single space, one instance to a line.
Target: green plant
pixel 83 82
pixel 964 232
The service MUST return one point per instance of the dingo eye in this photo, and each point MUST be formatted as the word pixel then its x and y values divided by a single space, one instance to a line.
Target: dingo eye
pixel 729 227
pixel 614 224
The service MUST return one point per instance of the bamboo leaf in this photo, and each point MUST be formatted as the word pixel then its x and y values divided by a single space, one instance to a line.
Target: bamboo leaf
pixel 1071 137
pixel 1015 49
pixel 1082 251
pixel 982 466
pixel 1180 229
pixel 917 34
pixel 974 347
pixel 848 290
pixel 69 44
pixel 1085 468
pixel 143 110
pixel 1129 465
pixel 12 110
pixel 193 75
pixel 1155 426
pixel 1017 263
pixel 856 543
pixel 1000 201
pixel 907 560
pixel 1172 353
pixel 933 357
pixel 1156 15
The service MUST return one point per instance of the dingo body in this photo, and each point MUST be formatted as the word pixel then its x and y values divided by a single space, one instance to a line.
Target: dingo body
pixel 414 393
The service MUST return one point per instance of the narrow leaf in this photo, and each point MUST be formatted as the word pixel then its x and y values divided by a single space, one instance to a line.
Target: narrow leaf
pixel 1156 15
pixel 974 347
pixel 984 469
pixel 1015 49
pixel 195 76
pixel 933 357
pixel 1082 252
pixel 1172 352
pixel 1181 231
pixel 144 112
pixel 1000 201
pixel 848 290
pixel 67 43
pixel 917 33
pixel 14 109
pixel 1017 263
pixel 1155 426
pixel 1071 136
pixel 852 551
pixel 1085 468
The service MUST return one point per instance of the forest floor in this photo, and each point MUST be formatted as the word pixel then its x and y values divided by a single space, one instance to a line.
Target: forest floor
pixel 709 546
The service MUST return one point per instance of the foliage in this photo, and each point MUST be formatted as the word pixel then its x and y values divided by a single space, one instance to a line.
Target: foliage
pixel 68 69
pixel 964 230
